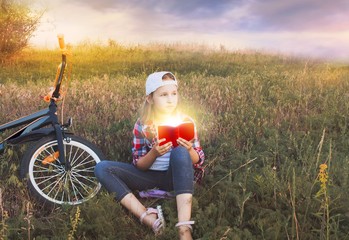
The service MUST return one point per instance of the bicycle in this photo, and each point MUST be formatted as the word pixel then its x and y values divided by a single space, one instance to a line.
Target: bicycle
pixel 59 167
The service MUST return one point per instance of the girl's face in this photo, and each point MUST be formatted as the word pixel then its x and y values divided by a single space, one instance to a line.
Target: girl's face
pixel 165 99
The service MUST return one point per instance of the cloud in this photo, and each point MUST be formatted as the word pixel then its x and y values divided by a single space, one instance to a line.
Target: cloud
pixel 300 15
pixel 227 15
pixel 308 27
pixel 230 15
pixel 181 15
pixel 192 9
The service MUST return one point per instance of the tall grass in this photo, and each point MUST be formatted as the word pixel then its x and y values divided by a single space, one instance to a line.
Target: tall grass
pixel 288 115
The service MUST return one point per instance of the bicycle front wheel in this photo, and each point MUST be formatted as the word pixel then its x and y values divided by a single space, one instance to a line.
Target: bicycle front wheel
pixel 50 182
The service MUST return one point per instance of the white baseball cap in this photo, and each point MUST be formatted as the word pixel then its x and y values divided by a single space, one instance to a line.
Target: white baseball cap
pixel 154 81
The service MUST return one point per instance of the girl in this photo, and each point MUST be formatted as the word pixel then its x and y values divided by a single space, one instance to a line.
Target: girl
pixel 156 165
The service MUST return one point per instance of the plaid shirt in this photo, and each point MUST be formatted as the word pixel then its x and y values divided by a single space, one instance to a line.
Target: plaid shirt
pixel 144 136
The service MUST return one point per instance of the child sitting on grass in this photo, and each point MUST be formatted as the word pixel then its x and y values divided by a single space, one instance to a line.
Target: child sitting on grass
pixel 156 165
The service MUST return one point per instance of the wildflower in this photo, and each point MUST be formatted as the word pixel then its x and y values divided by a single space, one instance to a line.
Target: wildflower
pixel 323 166
pixel 323 176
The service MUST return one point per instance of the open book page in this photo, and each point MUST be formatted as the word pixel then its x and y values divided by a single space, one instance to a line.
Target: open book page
pixel 184 130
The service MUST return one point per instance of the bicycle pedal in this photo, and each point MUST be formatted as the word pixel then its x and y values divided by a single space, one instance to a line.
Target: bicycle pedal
pixel 51 158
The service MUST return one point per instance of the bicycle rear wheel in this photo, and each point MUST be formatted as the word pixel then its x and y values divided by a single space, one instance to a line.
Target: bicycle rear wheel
pixel 49 182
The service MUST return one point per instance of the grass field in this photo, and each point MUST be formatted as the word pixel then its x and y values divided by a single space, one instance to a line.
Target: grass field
pixel 266 122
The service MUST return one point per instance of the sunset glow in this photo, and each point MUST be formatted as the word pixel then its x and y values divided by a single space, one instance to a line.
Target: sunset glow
pixel 306 28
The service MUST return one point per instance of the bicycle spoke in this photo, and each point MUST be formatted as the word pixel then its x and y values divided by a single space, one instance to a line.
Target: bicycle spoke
pixel 41 169
pixel 47 171
pixel 82 163
pixel 54 186
pixel 45 167
pixel 48 152
pixel 75 188
pixel 46 177
pixel 77 175
pixel 76 159
pixel 56 194
pixel 65 184
pixel 83 185
pixel 87 170
pixel 43 156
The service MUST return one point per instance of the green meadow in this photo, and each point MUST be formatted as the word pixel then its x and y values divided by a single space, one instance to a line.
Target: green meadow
pixel 267 123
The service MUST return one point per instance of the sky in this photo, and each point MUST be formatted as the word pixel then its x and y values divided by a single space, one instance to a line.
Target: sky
pixel 307 28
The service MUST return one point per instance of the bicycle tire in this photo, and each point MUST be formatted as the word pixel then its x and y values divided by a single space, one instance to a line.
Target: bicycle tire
pixel 50 183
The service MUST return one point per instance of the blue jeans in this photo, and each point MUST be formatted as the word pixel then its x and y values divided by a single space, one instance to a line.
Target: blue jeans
pixel 122 178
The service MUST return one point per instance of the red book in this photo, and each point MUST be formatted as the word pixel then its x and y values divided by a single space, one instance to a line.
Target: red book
pixel 184 130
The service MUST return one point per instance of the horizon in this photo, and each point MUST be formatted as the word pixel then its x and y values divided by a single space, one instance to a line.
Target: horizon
pixel 311 28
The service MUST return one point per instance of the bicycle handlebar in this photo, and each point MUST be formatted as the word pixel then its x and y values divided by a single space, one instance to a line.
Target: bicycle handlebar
pixel 61 41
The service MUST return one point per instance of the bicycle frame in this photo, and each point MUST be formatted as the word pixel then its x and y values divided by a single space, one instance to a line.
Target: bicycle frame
pixel 37 123
pixel 36 120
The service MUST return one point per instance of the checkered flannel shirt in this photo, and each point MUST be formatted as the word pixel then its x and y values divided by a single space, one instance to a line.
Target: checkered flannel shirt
pixel 144 136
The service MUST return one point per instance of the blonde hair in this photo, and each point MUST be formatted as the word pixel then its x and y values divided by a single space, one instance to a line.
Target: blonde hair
pixel 147 110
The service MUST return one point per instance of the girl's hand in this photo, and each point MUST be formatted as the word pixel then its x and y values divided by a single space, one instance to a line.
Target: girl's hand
pixel 184 143
pixel 161 150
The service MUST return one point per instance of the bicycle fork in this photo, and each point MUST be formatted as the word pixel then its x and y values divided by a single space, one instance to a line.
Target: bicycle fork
pixel 59 130
pixel 60 144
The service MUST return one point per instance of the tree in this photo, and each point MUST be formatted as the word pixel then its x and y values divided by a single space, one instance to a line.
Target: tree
pixel 17 24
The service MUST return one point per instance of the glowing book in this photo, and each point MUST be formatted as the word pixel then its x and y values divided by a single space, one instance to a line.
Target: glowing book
pixel 184 130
